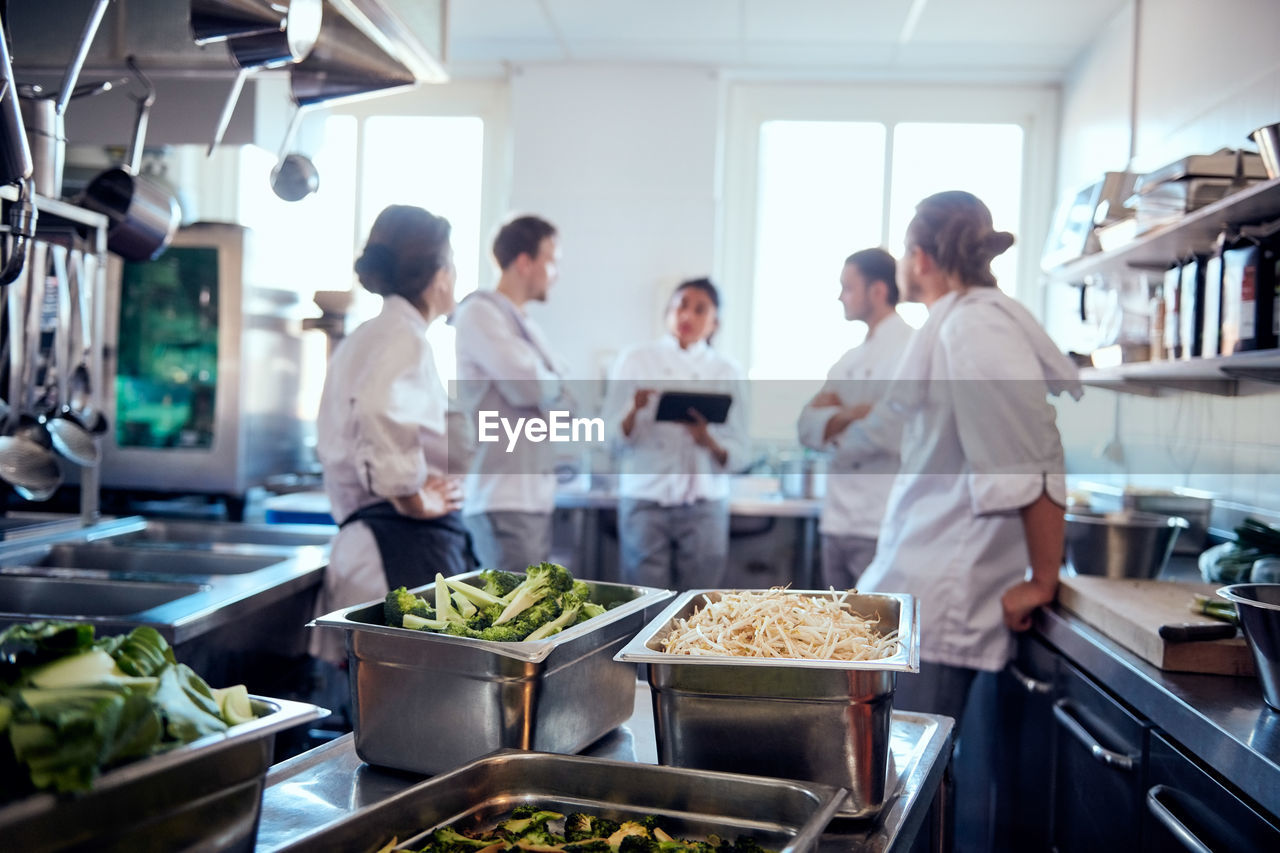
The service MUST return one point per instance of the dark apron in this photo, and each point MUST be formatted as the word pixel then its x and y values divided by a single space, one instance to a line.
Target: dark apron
pixel 414 549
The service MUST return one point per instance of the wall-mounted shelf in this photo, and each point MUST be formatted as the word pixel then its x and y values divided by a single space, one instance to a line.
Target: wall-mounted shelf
pixel 1194 233
pixel 1228 375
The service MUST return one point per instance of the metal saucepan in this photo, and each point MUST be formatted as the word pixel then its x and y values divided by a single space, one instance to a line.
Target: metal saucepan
pixel 143 214
pixel 259 34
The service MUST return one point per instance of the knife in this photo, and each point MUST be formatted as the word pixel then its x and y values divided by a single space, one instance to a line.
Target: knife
pixel 1187 632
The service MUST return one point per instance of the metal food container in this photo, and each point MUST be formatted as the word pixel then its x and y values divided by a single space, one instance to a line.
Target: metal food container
pixel 820 720
pixel 428 702
pixel 205 795
pixel 782 815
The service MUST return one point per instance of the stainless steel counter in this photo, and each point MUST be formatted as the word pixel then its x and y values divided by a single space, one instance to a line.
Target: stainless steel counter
pixel 320 787
pixel 739 504
pixel 1221 719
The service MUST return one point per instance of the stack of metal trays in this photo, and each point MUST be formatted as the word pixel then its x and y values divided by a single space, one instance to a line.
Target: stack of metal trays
pixel 781 815
pixel 1191 183
pixel 206 795
pixel 427 702
pixel 823 720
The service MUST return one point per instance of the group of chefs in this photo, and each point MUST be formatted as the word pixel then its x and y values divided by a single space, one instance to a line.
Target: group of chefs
pixel 947 473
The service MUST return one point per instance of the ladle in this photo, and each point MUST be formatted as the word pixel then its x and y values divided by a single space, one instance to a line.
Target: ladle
pixel 27 460
pixel 78 399
pixel 294 177
pixel 68 436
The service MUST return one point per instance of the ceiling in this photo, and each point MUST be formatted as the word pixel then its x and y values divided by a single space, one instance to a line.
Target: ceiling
pixel 903 38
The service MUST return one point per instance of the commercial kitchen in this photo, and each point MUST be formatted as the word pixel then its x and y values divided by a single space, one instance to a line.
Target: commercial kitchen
pixel 188 186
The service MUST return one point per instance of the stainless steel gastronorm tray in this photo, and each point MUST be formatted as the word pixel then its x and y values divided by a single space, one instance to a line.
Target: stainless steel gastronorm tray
pixel 427 702
pixel 782 815
pixel 827 721
pixel 205 795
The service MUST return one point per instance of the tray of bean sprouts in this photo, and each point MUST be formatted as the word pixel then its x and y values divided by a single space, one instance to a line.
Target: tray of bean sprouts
pixel 819 629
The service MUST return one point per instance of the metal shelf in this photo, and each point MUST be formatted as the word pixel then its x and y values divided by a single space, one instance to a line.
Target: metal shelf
pixel 1226 376
pixel 1193 234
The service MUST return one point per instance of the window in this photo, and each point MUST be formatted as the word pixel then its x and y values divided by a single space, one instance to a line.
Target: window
pixel 821 190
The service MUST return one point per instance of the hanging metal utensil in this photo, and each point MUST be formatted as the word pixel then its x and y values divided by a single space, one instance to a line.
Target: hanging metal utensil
pixel 252 41
pixel 69 437
pixel 294 177
pixel 143 214
pixel 15 167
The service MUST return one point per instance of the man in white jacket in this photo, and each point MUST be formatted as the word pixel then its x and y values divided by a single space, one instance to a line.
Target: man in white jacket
pixel 505 366
pixel 857 488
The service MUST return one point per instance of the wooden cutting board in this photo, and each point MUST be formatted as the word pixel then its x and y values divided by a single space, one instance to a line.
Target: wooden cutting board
pixel 1132 611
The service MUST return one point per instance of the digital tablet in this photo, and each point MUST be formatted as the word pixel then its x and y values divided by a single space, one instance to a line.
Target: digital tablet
pixel 675 406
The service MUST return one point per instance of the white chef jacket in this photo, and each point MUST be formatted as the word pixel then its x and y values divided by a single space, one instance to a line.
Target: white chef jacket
pixel 977 446
pixel 858 488
pixel 660 461
pixel 380 430
pixel 505 365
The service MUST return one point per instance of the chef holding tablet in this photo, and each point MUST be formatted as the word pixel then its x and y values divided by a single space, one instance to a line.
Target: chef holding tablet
pixel 663 403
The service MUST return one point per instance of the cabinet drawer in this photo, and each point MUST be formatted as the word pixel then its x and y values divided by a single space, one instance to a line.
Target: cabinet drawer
pixel 1098 775
pixel 1186 809
pixel 1024 748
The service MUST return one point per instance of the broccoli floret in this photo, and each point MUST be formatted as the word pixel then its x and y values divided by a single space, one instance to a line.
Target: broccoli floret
pixel 399 603
pixel 590 609
pixel 587 845
pixel 748 844
pixel 627 829
pixel 638 844
pixel 446 839
pixel 499 583
pixel 580 590
pixel 581 826
pixel 568 614
pixel 531 827
pixel 540 582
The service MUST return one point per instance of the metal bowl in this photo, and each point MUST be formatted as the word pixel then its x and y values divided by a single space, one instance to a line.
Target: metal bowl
pixel 1124 544
pixel 1268 140
pixel 1258 605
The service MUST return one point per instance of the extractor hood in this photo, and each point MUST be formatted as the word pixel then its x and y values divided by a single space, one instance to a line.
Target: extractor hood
pixel 43 35
pixel 192 80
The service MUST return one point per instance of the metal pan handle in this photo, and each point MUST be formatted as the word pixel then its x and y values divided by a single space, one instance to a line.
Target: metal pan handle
pixel 1063 713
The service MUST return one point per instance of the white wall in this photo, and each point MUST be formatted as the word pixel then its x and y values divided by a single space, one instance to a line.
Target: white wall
pixel 1207 75
pixel 623 160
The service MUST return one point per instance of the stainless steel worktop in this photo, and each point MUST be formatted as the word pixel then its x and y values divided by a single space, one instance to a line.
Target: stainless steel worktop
pixel 752 504
pixel 320 787
pixel 1221 719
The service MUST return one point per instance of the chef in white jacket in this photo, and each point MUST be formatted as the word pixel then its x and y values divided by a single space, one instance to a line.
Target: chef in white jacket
pixel 974 525
pixel 506 366
pixel 381 428
pixel 673 484
pixel 858 482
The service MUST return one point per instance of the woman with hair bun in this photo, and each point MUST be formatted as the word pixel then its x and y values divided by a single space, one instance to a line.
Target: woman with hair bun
pixel 974 524
pixel 381 429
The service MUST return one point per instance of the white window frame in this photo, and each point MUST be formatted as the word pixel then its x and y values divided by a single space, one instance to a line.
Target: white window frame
pixel 748 105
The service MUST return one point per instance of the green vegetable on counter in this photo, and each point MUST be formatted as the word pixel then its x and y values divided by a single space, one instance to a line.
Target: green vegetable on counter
pixel 506 608
pixel 71 707
pixel 533 830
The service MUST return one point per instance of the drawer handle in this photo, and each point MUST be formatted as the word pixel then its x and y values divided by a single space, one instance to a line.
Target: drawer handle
pixel 1029 684
pixel 1062 712
pixel 1177 828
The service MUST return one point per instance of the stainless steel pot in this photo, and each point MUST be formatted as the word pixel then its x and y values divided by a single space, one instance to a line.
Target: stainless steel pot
pixel 1123 544
pixel 143 214
pixel 1268 140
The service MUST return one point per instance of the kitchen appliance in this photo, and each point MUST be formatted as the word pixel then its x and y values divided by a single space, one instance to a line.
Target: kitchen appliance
pixel 1132 612
pixel 1098 205
pixel 426 702
pixel 820 720
pixel 781 815
pixel 1123 544
pixel 1258 605
pixel 202 371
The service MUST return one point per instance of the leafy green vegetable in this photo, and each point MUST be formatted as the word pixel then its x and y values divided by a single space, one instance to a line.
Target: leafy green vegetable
pixel 189 708
pixel 143 652
pixel 32 643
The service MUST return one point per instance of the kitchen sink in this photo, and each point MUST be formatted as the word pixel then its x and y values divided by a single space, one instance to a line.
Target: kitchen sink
pixel 170 534
pixel 116 558
pixel 35 596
